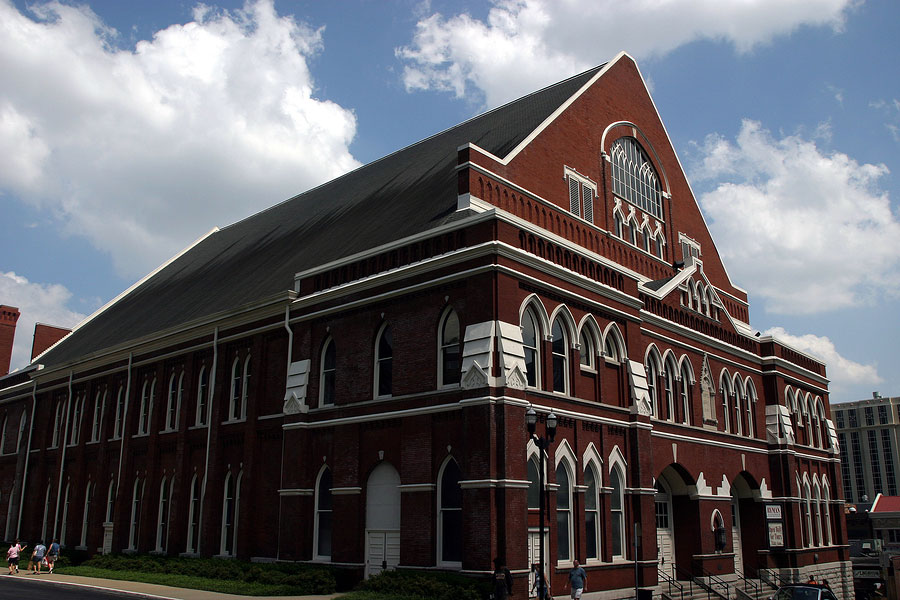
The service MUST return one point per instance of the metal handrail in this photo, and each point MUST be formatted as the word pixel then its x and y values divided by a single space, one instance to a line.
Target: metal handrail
pixel 688 576
pixel 772 578
pixel 749 584
pixel 712 581
pixel 672 582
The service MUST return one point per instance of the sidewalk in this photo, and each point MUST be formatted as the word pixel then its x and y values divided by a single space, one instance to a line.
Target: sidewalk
pixel 148 590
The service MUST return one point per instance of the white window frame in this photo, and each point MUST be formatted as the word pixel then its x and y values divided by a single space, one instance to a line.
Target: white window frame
pixel 616 473
pixel 164 512
pixel 594 471
pixel 234 399
pixel 192 545
pixel 110 501
pixel 318 512
pixel 173 402
pixel 85 518
pixel 582 191
pixel 202 398
pixel 379 360
pixel 232 532
pixel 77 406
pixel 65 517
pixel 136 506
pixel 441 510
pixel 57 422
pixel 562 357
pixel 119 425
pixel 444 347
pixel 324 372
pixel 536 349
pixel 567 512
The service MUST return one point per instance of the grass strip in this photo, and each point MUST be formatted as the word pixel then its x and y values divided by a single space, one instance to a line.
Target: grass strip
pixel 187 581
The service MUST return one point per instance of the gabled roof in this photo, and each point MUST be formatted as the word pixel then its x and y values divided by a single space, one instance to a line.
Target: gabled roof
pixel 405 193
pixel 885 504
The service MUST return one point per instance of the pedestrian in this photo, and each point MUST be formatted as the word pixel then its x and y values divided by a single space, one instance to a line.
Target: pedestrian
pixel 12 556
pixel 37 557
pixel 502 580
pixel 53 554
pixel 540 584
pixel 812 580
pixel 577 579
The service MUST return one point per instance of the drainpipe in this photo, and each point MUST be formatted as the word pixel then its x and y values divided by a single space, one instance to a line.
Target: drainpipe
pixel 62 462
pixel 27 456
pixel 212 395
pixel 290 350
pixel 124 422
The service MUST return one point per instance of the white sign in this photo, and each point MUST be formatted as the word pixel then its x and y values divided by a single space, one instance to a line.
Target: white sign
pixel 773 512
pixel 776 535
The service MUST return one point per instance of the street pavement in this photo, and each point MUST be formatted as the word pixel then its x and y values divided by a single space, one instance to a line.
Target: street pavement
pixel 71 587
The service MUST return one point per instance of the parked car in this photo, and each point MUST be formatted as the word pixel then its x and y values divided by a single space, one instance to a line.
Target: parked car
pixel 804 591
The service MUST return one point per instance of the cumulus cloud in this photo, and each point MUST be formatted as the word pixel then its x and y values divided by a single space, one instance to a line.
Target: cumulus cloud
pixel 807 231
pixel 526 44
pixel 143 149
pixel 843 372
pixel 37 303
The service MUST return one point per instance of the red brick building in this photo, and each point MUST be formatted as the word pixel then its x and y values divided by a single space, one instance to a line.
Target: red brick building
pixel 344 377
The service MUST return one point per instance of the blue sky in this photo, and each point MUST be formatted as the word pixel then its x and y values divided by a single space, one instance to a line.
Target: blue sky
pixel 130 129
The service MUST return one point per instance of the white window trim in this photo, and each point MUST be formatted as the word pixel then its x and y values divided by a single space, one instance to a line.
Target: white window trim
pixel 568 562
pixel 134 524
pixel 441 347
pixel 377 379
pixel 566 356
pixel 329 343
pixel 316 510
pixel 192 545
pixel 88 492
pixel 450 564
pixel 202 402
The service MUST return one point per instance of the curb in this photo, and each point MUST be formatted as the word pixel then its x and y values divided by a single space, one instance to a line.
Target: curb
pixel 146 595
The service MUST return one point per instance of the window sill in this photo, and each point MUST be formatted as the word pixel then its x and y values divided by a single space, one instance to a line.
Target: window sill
pixel 233 421
pixel 588 369
pixel 140 435
pixel 113 439
pixel 168 431
pixel 92 442
pixel 193 427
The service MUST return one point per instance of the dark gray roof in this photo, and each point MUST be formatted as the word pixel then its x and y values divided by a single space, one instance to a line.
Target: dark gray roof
pixel 403 194
pixel 655 285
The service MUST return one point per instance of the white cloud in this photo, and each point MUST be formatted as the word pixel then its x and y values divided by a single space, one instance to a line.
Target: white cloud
pixel 891 112
pixel 142 150
pixel 807 231
pixel 37 303
pixel 843 372
pixel 526 44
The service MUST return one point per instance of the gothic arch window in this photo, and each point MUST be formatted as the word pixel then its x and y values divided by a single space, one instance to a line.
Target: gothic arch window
pixel 450 515
pixel 739 401
pixel 97 423
pixel 564 520
pixel 592 512
pixel 240 389
pixel 110 500
pixel 23 422
pixel 531 335
pixel 634 178
pixel 203 396
pixel 652 368
pixel 162 519
pixel 148 393
pixel 725 388
pixel 619 223
pixel 230 507
pixel 817 507
pixel 77 409
pixel 193 537
pixel 448 348
pixel 588 352
pixel 136 497
pixel 323 524
pixel 827 505
pixel 384 357
pixel 534 490
pixel 617 511
pixel 86 515
pixel 751 407
pixel 327 373
pixel 612 345
pixel 57 423
pixel 119 428
pixel 671 375
pixel 686 379
pixel 560 350
pixel 173 403
pixel 807 513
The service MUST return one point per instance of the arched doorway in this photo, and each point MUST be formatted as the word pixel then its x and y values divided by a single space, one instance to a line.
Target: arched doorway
pixel 676 539
pixel 382 519
pixel 748 515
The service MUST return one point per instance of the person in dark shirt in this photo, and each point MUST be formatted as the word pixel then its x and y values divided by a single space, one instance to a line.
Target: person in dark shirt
pixel 502 580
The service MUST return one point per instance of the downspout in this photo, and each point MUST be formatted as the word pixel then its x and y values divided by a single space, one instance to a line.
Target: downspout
pixel 62 462
pixel 212 395
pixel 290 349
pixel 27 456
pixel 124 422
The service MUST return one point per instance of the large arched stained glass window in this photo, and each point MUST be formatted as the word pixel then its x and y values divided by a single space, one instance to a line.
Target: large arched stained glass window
pixel 634 178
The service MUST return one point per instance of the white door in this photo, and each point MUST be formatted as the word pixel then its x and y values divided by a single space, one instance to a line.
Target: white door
pixel 736 535
pixel 534 557
pixel 665 536
pixel 382 519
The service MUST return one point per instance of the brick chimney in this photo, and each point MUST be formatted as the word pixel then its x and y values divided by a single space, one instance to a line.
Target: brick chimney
pixel 8 317
pixel 45 336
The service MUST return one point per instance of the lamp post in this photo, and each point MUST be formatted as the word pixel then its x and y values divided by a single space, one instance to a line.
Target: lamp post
pixel 542 442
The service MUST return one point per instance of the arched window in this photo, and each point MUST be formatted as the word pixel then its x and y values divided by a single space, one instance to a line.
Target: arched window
pixel 685 393
pixel 610 348
pixel 591 513
pixel 725 387
pixel 534 483
pixel 450 525
pixel 173 406
pixel 449 349
pixel 817 506
pixel 560 348
pixel 645 239
pixel 57 423
pixel 617 513
pixel 817 423
pixel 134 530
pixel 86 516
pixel 670 375
pixel 193 539
pixel 229 515
pixel 119 429
pixel 634 178
pixel 530 342
pixel 77 407
pixel 587 352
pixel 240 389
pixel 147 394
pixel 110 501
pixel 751 408
pixel 633 232
pixel 245 389
pixel 652 370
pixel 384 362
pixel 323 515
pixel 202 396
pixel 162 521
pixel 827 503
pixel 564 534
pixel 65 517
pixel 619 224
pixel 806 502
pixel 99 409
pixel 327 373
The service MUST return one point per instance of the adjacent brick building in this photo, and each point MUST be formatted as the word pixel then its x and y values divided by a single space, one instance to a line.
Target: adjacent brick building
pixel 344 377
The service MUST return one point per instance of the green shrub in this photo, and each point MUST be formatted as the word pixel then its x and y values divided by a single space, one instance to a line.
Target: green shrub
pixel 434 586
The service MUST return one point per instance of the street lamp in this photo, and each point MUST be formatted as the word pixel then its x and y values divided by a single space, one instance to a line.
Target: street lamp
pixel 542 442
